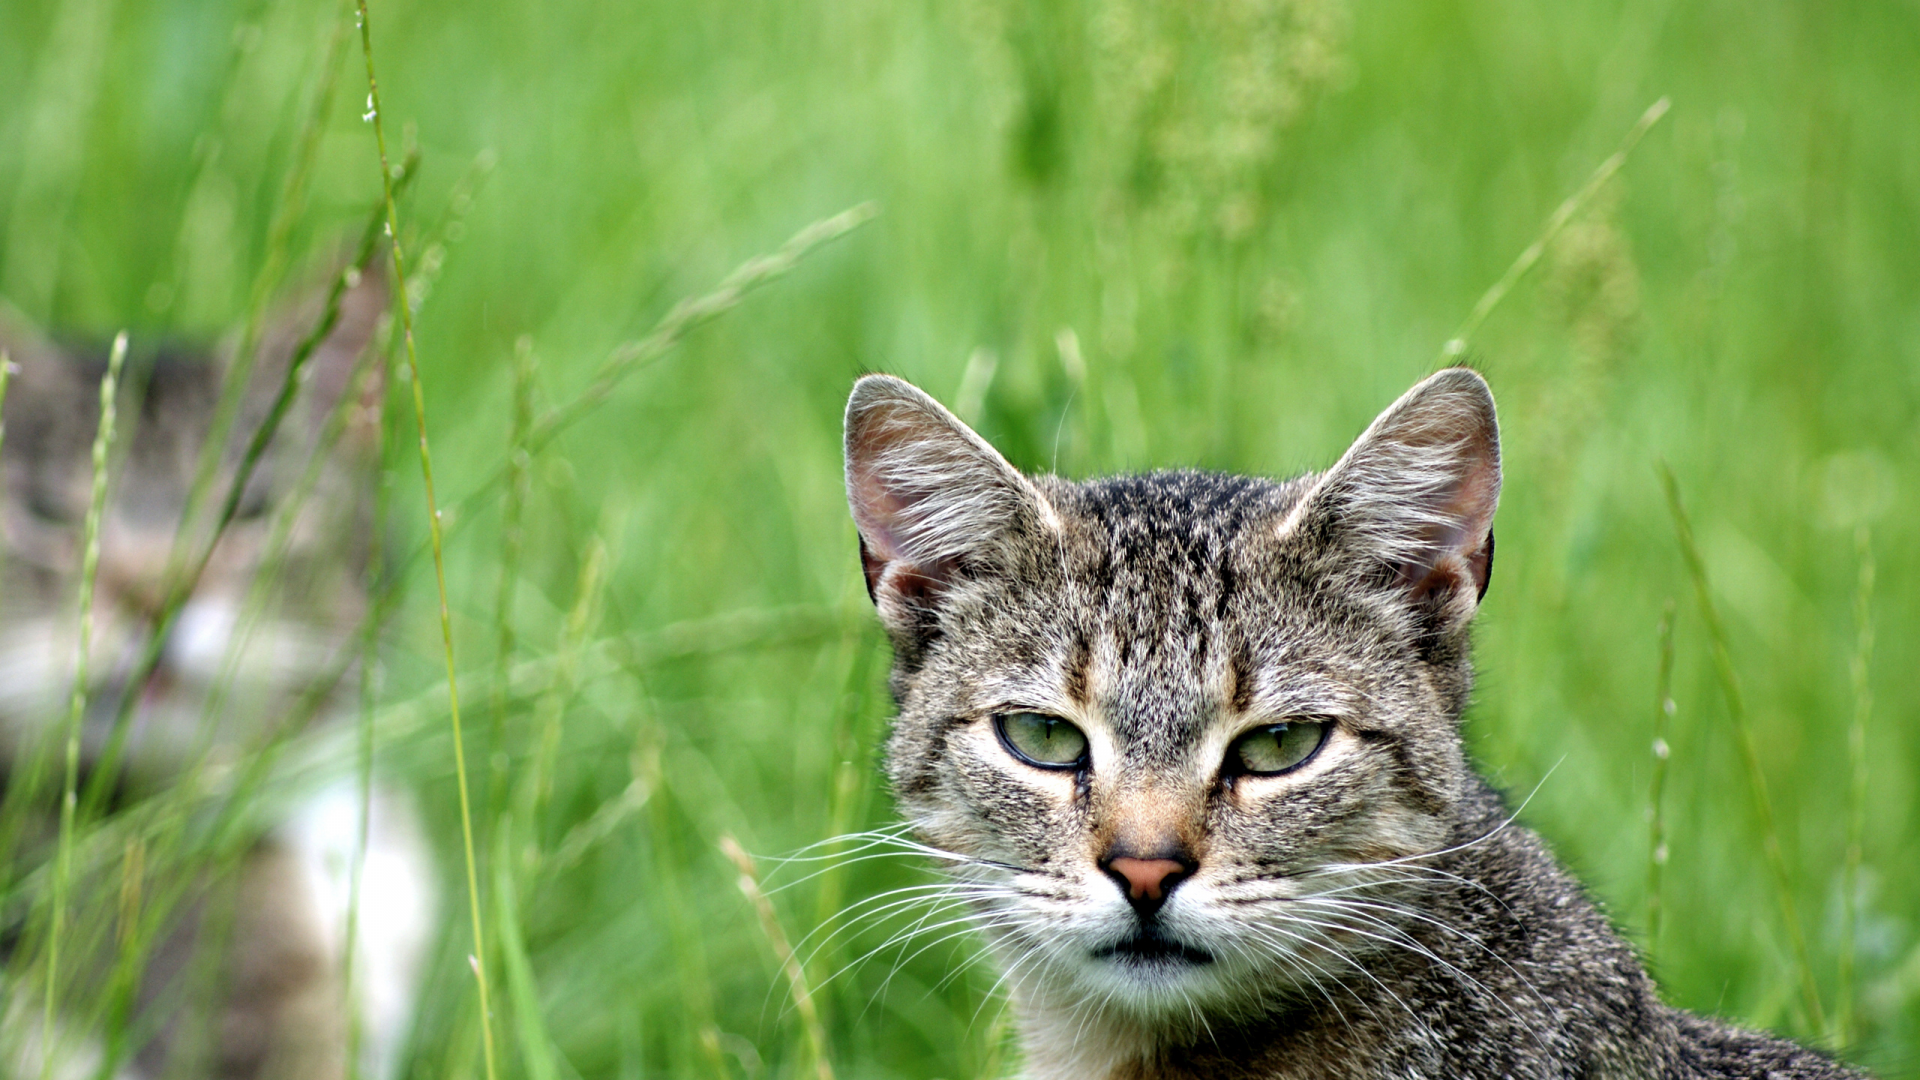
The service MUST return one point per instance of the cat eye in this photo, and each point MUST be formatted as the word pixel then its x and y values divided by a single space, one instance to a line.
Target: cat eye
pixel 1276 748
pixel 1045 742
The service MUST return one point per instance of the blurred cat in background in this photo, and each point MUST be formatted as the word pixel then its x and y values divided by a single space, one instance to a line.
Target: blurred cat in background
pixel 257 640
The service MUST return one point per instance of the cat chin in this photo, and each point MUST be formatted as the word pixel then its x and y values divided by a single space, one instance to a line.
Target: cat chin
pixel 1156 988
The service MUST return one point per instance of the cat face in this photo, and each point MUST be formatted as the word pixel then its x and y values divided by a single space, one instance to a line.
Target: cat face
pixel 244 647
pixel 1178 732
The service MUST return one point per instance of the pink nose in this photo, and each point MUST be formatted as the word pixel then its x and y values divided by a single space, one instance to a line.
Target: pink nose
pixel 1146 878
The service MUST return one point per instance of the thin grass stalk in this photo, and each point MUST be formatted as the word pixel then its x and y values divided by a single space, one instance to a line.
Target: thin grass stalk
pixel 749 883
pixel 405 723
pixel 553 704
pixel 512 542
pixel 166 844
pixel 1456 346
pixel 529 1025
pixel 233 826
pixel 220 845
pixel 267 576
pixel 433 531
pixel 181 588
pixel 849 783
pixel 997 1033
pixel 266 281
pixel 1858 669
pixel 77 701
pixel 670 894
pixel 1749 752
pixel 691 314
pixel 1663 710
pixel 686 316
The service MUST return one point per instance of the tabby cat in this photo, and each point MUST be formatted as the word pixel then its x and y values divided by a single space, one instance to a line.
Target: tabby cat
pixel 267 1001
pixel 1191 743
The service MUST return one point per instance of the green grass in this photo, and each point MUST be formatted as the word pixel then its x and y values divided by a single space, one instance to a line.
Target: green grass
pixel 1251 259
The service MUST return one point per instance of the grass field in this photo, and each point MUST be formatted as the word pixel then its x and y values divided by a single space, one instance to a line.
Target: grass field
pixel 1117 233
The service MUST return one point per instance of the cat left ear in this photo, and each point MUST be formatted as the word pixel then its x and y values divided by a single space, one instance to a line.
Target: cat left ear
pixel 928 495
pixel 1414 496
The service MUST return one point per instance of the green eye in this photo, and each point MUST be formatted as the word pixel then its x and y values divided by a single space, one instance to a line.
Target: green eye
pixel 1046 742
pixel 1276 748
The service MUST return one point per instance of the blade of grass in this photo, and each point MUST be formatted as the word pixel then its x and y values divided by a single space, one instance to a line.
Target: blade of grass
pixel 851 741
pixel 274 775
pixel 77 701
pixel 167 847
pixel 749 882
pixel 685 317
pixel 1663 710
pixel 670 894
pixel 1456 346
pixel 267 279
pixel 433 531
pixel 512 541
pixel 181 588
pixel 536 1048
pixel 537 791
pixel 1749 753
pixel 1857 789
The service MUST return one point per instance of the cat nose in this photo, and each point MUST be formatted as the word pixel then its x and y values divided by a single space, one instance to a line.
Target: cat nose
pixel 1146 881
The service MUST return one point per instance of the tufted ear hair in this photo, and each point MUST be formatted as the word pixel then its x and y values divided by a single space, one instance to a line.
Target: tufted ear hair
pixel 1411 502
pixel 929 496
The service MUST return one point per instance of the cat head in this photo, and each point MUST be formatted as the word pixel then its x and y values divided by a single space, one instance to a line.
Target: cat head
pixel 245 643
pixel 1151 717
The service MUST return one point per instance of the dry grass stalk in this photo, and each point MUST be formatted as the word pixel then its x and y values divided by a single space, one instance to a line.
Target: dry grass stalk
pixel 796 978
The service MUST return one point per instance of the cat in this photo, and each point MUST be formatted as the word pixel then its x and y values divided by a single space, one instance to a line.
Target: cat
pixel 228 679
pixel 1190 744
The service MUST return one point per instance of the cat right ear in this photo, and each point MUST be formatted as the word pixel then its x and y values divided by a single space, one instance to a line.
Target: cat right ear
pixel 1412 501
pixel 930 497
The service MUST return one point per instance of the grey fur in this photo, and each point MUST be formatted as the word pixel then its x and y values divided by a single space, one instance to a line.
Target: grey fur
pixel 1374 913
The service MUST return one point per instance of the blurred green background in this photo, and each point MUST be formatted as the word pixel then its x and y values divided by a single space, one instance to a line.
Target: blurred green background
pixel 1116 233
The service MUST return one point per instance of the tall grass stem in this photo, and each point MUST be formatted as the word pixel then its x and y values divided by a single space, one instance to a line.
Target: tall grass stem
pixel 530 1027
pixel 77 700
pixel 266 281
pixel 180 587
pixel 1456 347
pixel 1859 669
pixel 1663 710
pixel 433 527
pixel 685 317
pixel 797 985
pixel 512 542
pixel 1749 752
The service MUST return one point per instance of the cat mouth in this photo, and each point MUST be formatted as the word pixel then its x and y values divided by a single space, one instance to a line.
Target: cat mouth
pixel 1151 946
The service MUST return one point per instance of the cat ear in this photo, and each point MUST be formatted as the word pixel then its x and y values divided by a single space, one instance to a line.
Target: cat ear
pixel 1414 497
pixel 928 495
